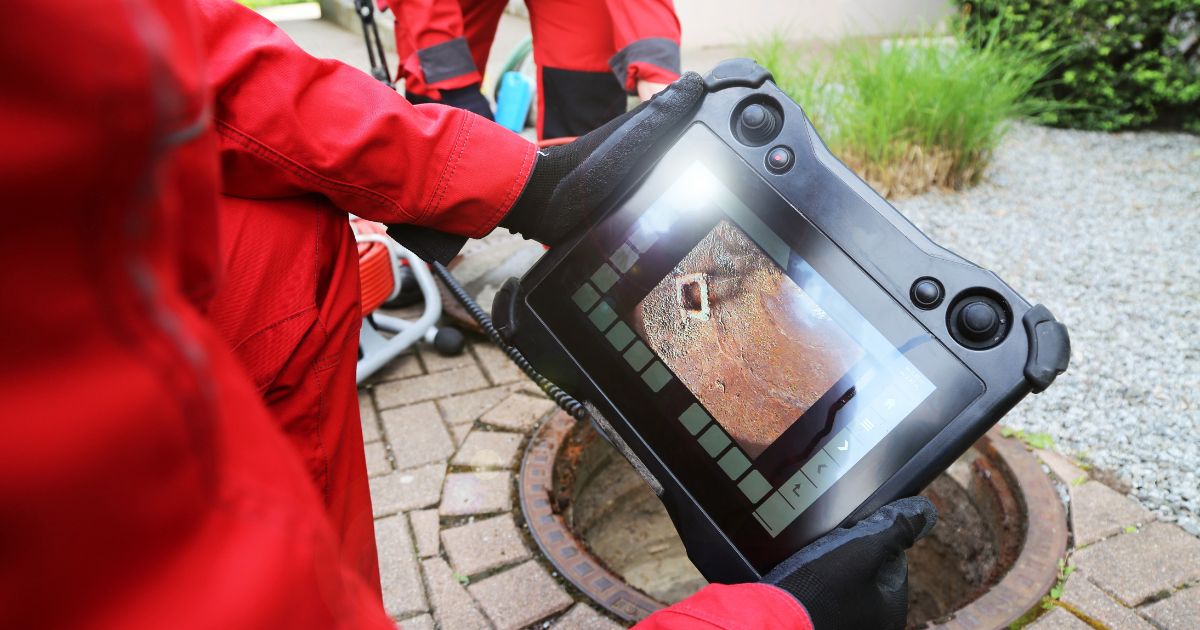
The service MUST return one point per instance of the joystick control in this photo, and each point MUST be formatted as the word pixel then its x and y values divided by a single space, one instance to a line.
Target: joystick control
pixel 757 123
pixel 979 321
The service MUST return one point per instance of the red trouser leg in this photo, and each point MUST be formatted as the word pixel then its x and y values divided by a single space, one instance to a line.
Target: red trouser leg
pixel 288 303
pixel 572 43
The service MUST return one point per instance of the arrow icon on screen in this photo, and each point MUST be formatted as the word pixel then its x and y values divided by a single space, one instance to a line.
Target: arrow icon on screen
pixel 821 468
pixel 796 489
pixel 845 445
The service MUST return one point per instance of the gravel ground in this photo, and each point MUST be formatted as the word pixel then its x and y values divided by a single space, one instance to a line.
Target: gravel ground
pixel 1105 230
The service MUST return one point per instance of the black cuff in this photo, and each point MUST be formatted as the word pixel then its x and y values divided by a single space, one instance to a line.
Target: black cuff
pixel 428 244
pixel 447 60
pixel 658 51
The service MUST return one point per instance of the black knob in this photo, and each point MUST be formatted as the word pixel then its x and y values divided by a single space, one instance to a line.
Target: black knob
pixel 754 117
pixel 926 293
pixel 978 320
pixel 757 124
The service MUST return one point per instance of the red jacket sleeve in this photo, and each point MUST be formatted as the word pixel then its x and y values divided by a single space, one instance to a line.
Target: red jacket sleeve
pixel 292 124
pixel 646 38
pixel 433 49
pixel 732 607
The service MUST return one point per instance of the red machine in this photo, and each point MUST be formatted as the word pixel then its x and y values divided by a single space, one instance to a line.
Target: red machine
pixel 383 265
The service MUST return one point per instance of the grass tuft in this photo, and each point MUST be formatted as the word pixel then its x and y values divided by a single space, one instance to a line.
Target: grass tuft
pixel 259 4
pixel 910 115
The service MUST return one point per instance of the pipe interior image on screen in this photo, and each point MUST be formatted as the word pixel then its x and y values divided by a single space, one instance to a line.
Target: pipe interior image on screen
pixel 754 348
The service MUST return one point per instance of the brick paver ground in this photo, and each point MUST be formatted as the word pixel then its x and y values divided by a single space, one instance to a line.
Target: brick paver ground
pixel 443 437
pixel 1128 573
pixel 520 596
pixel 484 545
pixel 1178 612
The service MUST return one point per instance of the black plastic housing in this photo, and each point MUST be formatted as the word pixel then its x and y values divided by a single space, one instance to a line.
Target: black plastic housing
pixel 884 245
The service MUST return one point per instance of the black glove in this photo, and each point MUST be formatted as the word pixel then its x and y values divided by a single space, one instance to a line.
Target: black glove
pixel 858 577
pixel 467 97
pixel 570 181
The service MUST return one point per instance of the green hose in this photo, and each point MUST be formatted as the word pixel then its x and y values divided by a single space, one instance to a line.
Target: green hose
pixel 513 62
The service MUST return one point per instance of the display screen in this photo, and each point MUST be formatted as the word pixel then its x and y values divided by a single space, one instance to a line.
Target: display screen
pixel 755 349
pixel 764 367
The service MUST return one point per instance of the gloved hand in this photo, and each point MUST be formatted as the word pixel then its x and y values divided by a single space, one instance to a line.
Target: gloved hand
pixel 468 97
pixel 857 577
pixel 569 181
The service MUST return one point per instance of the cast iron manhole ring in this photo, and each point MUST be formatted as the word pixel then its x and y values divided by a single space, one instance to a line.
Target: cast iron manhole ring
pixel 1030 577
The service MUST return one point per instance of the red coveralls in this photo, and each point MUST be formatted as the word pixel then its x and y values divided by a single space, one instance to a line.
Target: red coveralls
pixel 590 53
pixel 142 480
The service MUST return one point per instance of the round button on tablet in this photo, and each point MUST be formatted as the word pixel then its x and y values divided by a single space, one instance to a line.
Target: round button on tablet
pixel 780 159
pixel 926 293
pixel 755 117
pixel 757 121
pixel 979 320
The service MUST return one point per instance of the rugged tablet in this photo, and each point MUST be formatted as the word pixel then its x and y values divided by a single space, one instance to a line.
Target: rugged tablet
pixel 778 346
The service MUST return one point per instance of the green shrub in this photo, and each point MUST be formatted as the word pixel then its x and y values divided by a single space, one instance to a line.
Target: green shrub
pixel 259 4
pixel 910 115
pixel 1125 63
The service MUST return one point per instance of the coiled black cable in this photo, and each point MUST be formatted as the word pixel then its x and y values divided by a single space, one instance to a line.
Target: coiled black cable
pixel 564 400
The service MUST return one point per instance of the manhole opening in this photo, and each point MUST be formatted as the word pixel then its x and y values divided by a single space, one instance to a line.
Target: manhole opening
pixel 611 516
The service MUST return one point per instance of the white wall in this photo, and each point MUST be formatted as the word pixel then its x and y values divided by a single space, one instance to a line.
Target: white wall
pixel 734 22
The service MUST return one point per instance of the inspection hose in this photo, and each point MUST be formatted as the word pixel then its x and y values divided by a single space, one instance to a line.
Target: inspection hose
pixel 561 398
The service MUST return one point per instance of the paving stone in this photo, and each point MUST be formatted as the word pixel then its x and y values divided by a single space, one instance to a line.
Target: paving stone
pixel 452 605
pixel 488 449
pixel 1059 619
pixel 1098 512
pixel 398 569
pixel 1062 467
pixel 484 545
pixel 584 617
pixel 476 493
pixel 420 622
pixel 429 386
pixel 425 530
pixel 1135 567
pixel 466 408
pixel 540 596
pixel 403 366
pixel 459 433
pixel 435 362
pixel 377 459
pixel 1177 612
pixel 370 420
pixel 518 412
pixel 496 365
pixel 417 435
pixel 407 489
pixel 527 387
pixel 1091 601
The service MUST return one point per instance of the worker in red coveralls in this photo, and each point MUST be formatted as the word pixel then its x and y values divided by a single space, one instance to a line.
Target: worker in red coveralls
pixel 181 445
pixel 590 55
